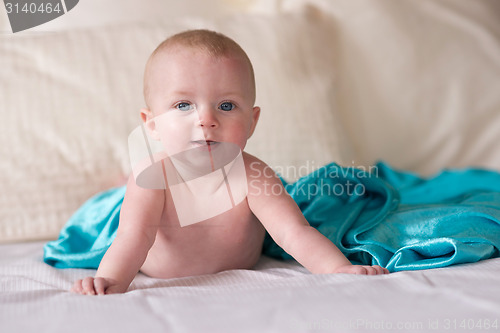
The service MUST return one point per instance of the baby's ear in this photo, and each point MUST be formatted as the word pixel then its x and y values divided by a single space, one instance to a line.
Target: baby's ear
pixel 255 119
pixel 149 123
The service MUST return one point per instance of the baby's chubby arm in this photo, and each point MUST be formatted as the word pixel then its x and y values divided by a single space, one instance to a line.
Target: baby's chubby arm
pixel 284 221
pixel 139 220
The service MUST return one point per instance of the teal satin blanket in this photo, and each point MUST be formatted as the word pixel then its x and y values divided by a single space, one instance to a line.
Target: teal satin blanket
pixel 386 217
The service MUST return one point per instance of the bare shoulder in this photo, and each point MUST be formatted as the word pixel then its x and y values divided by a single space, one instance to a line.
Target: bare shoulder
pixel 263 181
pixel 249 159
pixel 268 199
pixel 140 204
pixel 256 168
pixel 143 195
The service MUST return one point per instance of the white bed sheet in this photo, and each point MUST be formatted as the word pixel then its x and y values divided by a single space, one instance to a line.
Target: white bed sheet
pixel 274 297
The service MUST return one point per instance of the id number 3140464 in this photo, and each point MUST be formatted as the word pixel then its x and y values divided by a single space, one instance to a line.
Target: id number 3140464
pixel 470 324
pixel 32 8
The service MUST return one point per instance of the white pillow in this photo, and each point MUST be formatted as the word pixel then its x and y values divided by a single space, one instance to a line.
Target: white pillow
pixel 418 81
pixel 70 99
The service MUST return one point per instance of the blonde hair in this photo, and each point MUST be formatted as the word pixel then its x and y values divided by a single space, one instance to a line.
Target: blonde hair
pixel 212 43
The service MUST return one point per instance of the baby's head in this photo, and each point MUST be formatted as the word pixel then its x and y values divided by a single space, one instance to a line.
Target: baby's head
pixel 199 89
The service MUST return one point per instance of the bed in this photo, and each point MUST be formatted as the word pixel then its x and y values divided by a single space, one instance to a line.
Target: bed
pixel 412 83
pixel 274 297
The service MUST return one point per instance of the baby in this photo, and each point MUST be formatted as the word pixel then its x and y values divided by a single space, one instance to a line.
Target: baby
pixel 202 82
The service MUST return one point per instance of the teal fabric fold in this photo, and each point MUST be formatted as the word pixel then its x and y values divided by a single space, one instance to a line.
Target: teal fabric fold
pixel 87 235
pixel 399 220
pixel 387 217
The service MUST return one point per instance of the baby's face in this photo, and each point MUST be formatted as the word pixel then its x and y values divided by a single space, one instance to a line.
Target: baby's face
pixel 198 101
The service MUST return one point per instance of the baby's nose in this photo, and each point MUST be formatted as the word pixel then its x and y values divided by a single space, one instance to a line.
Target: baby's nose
pixel 207 118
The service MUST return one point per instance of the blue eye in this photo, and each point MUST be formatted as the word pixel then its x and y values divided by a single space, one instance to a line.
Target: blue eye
pixel 226 106
pixel 183 106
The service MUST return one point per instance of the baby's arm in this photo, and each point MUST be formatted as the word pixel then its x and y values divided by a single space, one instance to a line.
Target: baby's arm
pixel 139 219
pixel 284 221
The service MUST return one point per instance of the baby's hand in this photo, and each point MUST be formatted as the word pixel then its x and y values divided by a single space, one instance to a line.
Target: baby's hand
pixel 95 286
pixel 362 270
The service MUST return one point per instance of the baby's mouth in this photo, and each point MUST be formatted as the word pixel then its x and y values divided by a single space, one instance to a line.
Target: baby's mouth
pixel 202 143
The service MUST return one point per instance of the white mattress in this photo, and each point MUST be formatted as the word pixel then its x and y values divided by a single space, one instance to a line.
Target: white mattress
pixel 274 297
